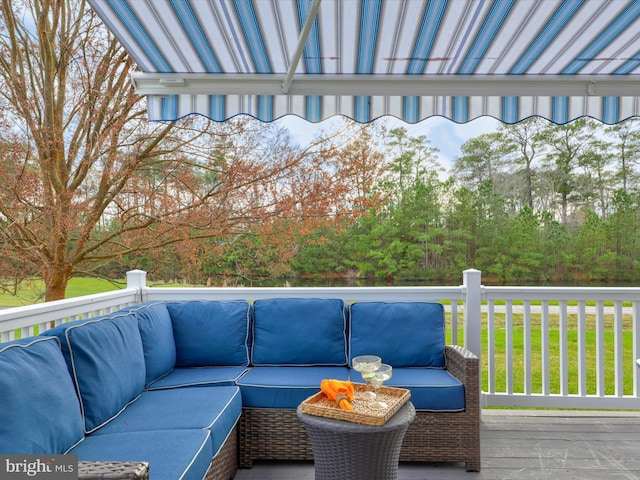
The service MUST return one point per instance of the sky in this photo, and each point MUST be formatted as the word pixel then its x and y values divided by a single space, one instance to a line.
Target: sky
pixel 442 133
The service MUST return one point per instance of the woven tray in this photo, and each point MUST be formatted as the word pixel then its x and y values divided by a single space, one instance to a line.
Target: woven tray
pixel 320 406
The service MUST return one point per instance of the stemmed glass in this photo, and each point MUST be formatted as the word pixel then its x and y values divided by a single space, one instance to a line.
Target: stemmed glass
pixel 367 366
pixel 379 377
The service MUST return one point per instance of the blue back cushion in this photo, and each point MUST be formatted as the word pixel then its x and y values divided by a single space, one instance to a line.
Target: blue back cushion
pixel 403 334
pixel 107 363
pixel 299 331
pixel 209 334
pixel 158 343
pixel 39 405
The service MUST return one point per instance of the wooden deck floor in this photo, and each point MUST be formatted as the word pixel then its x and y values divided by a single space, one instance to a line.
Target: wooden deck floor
pixel 520 444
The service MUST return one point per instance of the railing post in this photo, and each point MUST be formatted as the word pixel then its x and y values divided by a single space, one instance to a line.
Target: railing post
pixel 472 283
pixel 137 279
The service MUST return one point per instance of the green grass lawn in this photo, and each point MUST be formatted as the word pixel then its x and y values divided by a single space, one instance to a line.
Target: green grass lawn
pixel 553 341
pixel 32 291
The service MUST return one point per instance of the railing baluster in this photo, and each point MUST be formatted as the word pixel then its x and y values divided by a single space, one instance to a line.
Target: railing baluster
pixel 491 350
pixel 619 349
pixel 454 322
pixel 564 350
pixel 527 347
pixel 508 321
pixel 544 327
pixel 600 353
pixel 636 346
pixel 582 349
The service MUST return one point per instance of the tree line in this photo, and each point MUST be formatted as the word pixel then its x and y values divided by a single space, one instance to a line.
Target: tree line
pixel 531 202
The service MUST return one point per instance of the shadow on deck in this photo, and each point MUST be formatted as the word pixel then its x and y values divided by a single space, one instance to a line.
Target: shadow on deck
pixel 523 444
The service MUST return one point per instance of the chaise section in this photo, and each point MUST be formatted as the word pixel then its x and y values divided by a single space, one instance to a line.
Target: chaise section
pixel 118 355
pixel 171 454
pixel 216 409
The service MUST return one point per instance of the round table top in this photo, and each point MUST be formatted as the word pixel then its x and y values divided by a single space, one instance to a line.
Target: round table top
pixel 403 417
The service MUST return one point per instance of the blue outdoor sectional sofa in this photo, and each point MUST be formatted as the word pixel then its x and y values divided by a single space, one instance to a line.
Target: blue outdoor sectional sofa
pixel 198 388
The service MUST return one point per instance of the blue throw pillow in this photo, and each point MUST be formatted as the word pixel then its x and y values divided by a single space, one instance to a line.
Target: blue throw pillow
pixel 210 333
pixel 403 334
pixel 158 343
pixel 299 331
pixel 38 401
pixel 107 364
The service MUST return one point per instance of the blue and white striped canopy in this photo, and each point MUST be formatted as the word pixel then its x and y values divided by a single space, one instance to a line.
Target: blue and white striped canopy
pixel 461 59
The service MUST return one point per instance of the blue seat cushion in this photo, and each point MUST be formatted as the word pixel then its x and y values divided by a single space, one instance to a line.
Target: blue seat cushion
pixel 41 412
pixel 403 334
pixel 214 408
pixel 284 387
pixel 107 364
pixel 209 334
pixel 431 389
pixel 158 343
pixel 299 331
pixel 196 376
pixel 172 454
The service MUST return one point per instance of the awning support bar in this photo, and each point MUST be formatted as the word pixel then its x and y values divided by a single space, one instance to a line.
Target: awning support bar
pixel 390 85
pixel 304 34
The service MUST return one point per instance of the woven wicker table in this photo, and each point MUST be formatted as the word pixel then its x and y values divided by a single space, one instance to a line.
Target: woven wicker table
pixel 350 451
pixel 113 470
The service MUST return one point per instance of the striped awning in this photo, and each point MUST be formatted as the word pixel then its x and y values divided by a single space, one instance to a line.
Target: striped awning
pixel 461 59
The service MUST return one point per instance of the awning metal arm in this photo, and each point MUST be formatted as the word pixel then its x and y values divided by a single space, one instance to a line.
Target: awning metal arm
pixel 304 34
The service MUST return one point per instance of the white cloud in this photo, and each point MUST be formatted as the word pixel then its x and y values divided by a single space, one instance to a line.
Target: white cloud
pixel 448 136
pixel 442 133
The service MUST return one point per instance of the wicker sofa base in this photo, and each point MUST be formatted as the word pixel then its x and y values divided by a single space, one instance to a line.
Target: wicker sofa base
pixel 442 437
pixel 278 434
pixel 225 464
pixel 272 434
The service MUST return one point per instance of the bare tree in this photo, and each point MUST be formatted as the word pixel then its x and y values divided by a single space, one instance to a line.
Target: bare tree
pixel 625 145
pixel 84 178
pixel 566 147
pixel 522 141
pixel 71 123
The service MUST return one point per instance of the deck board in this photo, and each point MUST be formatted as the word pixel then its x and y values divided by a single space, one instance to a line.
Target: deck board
pixel 522 444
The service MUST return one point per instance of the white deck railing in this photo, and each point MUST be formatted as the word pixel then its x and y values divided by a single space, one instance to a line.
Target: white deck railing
pixel 578 347
pixel 539 346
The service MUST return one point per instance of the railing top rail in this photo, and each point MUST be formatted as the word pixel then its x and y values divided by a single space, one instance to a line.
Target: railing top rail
pixel 560 293
pixel 17 317
pixel 345 293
